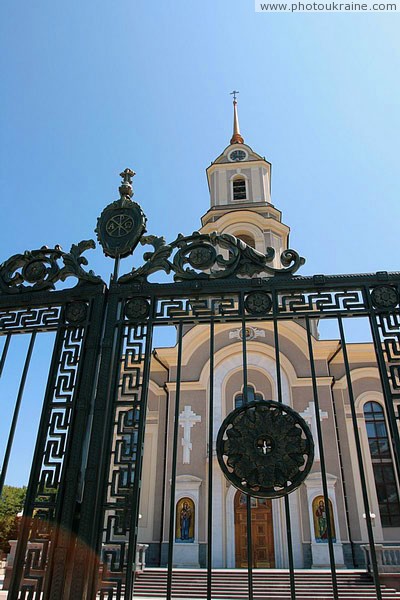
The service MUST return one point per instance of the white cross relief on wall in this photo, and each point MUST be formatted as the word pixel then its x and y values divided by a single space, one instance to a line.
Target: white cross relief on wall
pixel 187 419
pixel 310 417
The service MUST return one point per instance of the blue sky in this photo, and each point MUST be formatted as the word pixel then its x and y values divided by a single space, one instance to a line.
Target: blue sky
pixel 89 88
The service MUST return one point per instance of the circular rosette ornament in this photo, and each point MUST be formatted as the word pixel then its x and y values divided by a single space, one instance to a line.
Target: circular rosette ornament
pixel 385 296
pixel 265 449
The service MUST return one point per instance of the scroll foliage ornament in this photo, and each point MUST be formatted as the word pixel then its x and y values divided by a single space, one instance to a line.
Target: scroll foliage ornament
pixel 42 269
pixel 199 256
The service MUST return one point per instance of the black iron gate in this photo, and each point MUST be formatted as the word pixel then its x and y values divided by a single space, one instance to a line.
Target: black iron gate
pixel 79 531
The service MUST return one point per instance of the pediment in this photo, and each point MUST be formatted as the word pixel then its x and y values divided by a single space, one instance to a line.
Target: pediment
pixel 251 155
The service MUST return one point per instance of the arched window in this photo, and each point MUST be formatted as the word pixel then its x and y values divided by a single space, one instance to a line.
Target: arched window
pixel 382 465
pixel 239 189
pixel 252 396
pixel 247 239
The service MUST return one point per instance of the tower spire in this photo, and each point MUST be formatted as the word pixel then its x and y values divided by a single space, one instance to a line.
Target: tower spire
pixel 236 137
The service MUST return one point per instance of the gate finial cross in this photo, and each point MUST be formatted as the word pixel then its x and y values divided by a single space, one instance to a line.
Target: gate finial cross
pixel 125 189
pixel 127 175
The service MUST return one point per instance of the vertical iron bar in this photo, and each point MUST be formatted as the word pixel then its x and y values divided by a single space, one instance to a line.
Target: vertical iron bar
pixel 344 487
pixel 248 498
pixel 286 500
pixel 322 461
pixel 4 353
pixel 174 464
pixel 134 520
pixel 96 475
pixel 165 447
pixel 210 461
pixel 360 462
pixel 2 363
pixel 16 411
pixel 116 268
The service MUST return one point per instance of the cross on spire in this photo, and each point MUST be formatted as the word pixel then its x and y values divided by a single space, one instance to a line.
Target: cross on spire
pixel 234 94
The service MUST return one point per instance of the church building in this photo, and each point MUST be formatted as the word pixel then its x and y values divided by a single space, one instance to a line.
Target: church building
pixel 239 182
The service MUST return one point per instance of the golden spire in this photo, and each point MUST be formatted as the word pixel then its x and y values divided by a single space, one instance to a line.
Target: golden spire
pixel 236 137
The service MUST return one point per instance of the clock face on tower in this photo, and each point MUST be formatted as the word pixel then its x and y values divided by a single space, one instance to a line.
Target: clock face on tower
pixel 237 155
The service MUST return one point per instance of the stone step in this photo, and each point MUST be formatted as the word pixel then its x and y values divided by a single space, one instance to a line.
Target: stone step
pixel 267 585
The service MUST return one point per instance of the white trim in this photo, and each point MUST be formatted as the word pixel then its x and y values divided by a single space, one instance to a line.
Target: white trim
pixel 219 522
pixel 147 496
pixel 187 555
pixel 230 528
pixel 356 374
pixel 239 176
pixel 223 509
pixel 264 363
pixel 250 229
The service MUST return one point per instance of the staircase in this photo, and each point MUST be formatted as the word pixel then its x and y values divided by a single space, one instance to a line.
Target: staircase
pixel 191 584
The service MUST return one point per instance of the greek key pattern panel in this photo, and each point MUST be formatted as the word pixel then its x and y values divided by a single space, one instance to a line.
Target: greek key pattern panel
pixel 60 409
pixel 205 307
pixel 18 321
pixel 322 302
pixel 116 520
pixel 389 329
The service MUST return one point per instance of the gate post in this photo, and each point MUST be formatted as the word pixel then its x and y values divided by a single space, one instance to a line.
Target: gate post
pixel 56 467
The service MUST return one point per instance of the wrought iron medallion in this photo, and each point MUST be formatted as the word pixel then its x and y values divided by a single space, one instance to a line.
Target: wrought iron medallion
pixel 385 296
pixel 265 449
pixel 122 223
pixel 137 308
pixel 258 303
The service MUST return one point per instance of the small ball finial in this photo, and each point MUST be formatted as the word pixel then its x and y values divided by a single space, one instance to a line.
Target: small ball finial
pixel 125 189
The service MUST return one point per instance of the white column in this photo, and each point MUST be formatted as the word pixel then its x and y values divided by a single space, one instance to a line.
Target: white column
pixel 310 417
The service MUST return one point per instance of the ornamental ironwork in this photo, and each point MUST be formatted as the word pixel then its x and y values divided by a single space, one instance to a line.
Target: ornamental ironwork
pixel 138 308
pixel 385 296
pixel 209 256
pixel 122 223
pixel 76 312
pixel 38 270
pixel 92 428
pixel 258 303
pixel 265 449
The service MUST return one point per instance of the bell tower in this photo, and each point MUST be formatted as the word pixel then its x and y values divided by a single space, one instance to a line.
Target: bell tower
pixel 239 182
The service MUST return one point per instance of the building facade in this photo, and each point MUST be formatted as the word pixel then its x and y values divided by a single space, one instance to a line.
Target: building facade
pixel 239 183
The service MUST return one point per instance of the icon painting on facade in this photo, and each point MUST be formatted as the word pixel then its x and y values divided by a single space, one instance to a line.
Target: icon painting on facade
pixel 184 521
pixel 321 520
